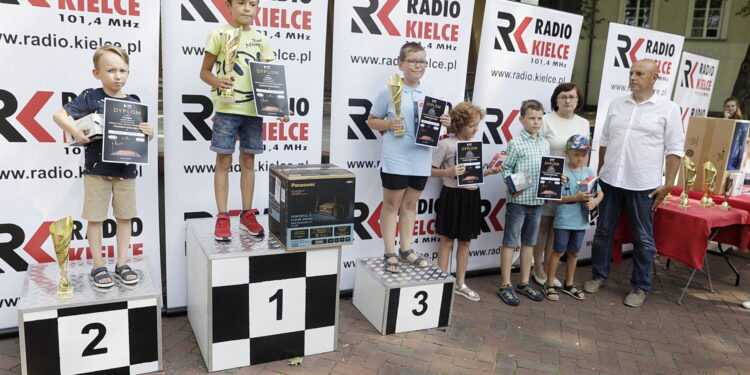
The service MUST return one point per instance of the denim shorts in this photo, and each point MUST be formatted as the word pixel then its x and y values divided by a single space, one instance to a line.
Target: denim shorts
pixel 228 127
pixel 521 224
pixel 568 240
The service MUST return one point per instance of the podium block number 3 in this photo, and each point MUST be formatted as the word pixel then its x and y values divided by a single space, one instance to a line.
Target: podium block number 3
pixel 419 307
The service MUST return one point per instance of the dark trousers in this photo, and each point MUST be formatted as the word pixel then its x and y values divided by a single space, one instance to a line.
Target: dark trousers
pixel 638 205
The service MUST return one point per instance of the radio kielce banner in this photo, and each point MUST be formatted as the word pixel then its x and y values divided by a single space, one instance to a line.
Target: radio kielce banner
pixel 696 78
pixel 368 35
pixel 625 46
pixel 297 33
pixel 47 48
pixel 524 53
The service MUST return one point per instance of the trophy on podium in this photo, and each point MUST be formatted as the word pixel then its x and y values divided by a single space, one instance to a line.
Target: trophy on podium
pixel 61 232
pixel 396 85
pixel 688 176
pixel 231 44
pixel 709 178
pixel 725 205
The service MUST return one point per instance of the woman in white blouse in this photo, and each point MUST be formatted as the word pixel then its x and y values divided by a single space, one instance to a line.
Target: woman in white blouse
pixel 557 127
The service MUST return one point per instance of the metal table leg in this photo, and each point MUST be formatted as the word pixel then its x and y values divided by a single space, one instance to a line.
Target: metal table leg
pixel 725 254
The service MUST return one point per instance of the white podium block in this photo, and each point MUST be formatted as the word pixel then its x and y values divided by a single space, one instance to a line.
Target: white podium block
pixel 416 298
pixel 102 331
pixel 250 301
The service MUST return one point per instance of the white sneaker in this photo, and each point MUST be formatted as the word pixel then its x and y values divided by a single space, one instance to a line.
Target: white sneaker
pixel 538 279
pixel 557 284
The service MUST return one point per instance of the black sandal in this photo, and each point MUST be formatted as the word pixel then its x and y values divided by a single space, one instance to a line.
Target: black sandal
pixel 573 291
pixel 417 262
pixel 98 274
pixel 550 292
pixel 392 267
pixel 122 273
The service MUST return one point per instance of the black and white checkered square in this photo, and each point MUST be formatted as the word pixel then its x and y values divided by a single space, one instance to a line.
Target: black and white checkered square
pixel 273 307
pixel 108 338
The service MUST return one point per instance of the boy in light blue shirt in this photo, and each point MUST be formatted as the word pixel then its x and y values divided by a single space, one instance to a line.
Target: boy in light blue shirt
pixel 571 220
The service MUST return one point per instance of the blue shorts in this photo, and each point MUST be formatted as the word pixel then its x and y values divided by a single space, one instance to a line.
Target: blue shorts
pixel 228 127
pixel 521 224
pixel 568 240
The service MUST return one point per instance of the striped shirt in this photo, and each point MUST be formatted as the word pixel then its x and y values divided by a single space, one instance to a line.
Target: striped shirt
pixel 525 154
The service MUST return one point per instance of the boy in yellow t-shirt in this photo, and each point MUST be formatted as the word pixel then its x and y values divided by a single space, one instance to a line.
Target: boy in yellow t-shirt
pixel 238 119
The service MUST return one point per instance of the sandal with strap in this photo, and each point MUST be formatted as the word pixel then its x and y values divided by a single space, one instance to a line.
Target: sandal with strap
pixel 573 291
pixel 550 292
pixel 392 267
pixel 417 262
pixel 99 274
pixel 463 290
pixel 122 273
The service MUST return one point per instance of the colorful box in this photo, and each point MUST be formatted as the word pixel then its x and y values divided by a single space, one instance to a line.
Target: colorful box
pixel 311 205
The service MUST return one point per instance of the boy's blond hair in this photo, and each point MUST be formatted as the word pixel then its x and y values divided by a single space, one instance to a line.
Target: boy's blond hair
pixel 531 104
pixel 462 115
pixel 409 47
pixel 113 49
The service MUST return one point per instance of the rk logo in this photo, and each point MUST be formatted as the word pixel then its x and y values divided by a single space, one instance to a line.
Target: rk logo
pixel 365 15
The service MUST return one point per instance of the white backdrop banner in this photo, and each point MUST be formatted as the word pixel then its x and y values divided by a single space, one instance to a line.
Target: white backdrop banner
pixel 367 39
pixel 297 32
pixel 47 48
pixel 696 79
pixel 524 53
pixel 625 46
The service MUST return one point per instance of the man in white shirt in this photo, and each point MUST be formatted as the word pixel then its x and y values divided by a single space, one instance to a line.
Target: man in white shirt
pixel 640 130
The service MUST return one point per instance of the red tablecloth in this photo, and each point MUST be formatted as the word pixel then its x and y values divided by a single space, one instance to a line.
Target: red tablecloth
pixel 738 236
pixel 682 235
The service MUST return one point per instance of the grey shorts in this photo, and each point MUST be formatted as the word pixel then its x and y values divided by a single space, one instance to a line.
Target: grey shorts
pixel 521 224
pixel 228 127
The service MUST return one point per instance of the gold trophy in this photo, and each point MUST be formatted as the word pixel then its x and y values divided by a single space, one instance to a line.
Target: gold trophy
pixel 725 205
pixel 709 178
pixel 231 44
pixel 666 198
pixel 396 85
pixel 688 176
pixel 61 232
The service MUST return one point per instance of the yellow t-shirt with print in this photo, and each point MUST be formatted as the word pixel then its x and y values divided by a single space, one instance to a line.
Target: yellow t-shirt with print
pixel 254 47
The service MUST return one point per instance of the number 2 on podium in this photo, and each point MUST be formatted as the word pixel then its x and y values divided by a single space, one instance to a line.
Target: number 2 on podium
pixel 91 348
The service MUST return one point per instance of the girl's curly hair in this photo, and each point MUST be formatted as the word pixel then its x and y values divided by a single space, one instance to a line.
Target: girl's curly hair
pixel 462 115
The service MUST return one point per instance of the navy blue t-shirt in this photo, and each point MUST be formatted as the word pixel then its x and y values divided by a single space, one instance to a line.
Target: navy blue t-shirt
pixel 88 102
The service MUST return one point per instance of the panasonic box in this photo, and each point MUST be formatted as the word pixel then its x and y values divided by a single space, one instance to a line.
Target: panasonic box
pixel 311 205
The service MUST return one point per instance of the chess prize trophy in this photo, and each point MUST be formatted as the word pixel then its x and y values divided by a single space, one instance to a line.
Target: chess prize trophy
pixel 709 179
pixel 396 86
pixel 61 232
pixel 688 175
pixel 725 205
pixel 231 44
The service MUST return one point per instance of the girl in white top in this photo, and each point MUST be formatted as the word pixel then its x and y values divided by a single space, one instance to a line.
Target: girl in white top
pixel 557 127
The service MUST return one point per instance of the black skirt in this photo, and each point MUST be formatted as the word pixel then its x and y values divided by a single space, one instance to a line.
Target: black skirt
pixel 458 214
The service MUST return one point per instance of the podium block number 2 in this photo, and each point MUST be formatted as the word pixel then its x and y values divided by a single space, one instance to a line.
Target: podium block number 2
pixel 94 341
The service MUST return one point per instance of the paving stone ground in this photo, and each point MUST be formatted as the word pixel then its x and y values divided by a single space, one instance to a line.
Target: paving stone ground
pixel 710 334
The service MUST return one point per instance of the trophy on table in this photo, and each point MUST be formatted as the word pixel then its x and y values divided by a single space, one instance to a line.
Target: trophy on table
pixel 688 175
pixel 725 205
pixel 61 232
pixel 709 178
pixel 231 44
pixel 396 85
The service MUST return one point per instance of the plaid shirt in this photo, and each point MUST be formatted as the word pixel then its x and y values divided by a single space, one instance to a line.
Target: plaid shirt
pixel 525 154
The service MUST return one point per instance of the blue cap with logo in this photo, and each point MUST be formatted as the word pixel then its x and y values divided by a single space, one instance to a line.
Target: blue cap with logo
pixel 578 142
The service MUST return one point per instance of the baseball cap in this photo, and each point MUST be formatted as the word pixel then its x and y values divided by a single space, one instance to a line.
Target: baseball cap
pixel 578 142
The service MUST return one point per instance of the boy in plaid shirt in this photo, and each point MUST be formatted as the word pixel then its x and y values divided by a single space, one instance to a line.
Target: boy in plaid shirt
pixel 523 211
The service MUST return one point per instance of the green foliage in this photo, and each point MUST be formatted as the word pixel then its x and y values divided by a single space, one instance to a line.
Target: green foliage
pixel 589 12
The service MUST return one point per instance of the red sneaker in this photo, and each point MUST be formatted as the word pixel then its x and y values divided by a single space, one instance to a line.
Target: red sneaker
pixel 222 232
pixel 249 224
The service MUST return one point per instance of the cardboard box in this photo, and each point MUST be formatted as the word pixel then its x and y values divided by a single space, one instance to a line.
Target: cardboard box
pixel 720 141
pixel 311 205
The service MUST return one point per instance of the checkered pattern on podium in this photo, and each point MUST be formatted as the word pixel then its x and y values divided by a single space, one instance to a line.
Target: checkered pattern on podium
pixel 263 304
pixel 114 331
